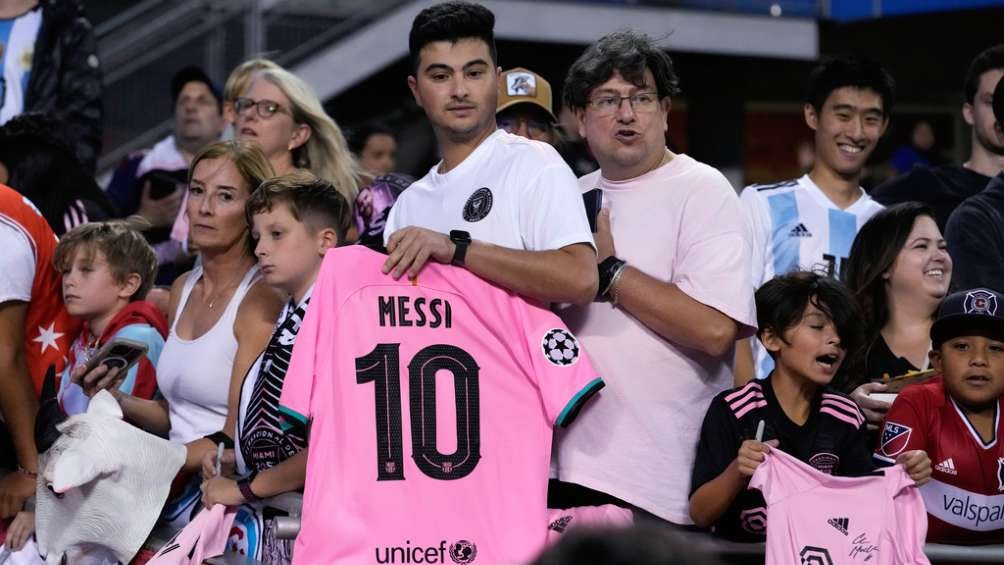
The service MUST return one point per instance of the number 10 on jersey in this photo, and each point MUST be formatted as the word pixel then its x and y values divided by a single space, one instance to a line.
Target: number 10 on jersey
pixel 382 367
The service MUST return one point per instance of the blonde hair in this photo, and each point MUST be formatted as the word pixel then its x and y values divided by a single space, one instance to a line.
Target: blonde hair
pixel 240 77
pixel 326 154
pixel 249 160
pixel 124 248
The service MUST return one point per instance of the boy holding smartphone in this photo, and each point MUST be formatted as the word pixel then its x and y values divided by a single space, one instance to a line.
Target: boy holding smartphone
pixel 107 270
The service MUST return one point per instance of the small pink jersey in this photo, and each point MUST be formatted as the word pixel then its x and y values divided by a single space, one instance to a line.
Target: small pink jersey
pixel 819 518
pixel 431 406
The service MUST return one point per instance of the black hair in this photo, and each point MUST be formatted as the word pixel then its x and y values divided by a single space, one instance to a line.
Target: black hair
pixel 628 53
pixel 451 21
pixel 988 60
pixel 875 248
pixel 46 170
pixel 853 71
pixel 639 544
pixel 781 302
pixel 358 137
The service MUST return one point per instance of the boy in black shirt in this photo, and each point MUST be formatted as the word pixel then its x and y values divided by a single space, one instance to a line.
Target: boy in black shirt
pixel 809 324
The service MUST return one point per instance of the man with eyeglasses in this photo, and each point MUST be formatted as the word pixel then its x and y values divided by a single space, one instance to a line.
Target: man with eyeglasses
pixel 504 207
pixel 674 293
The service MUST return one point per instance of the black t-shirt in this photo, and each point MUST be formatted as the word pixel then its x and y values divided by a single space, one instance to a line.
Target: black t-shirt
pixel 942 188
pixel 975 236
pixel 833 440
pixel 882 361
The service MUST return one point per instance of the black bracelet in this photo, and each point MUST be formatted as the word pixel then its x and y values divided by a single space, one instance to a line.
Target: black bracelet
pixel 244 485
pixel 221 437
pixel 606 269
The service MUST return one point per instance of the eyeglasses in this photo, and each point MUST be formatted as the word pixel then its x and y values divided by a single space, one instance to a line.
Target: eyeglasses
pixel 533 127
pixel 641 102
pixel 266 108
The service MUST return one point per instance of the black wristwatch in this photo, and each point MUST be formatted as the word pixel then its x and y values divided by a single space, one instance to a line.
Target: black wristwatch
pixel 461 239
pixel 607 271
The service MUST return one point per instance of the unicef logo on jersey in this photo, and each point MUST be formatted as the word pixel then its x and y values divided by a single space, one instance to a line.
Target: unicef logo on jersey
pixel 560 347
pixel 463 552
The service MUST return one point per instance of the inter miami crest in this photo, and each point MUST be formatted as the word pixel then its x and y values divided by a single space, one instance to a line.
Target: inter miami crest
pixel 478 205
pixel 560 347
pixel 980 302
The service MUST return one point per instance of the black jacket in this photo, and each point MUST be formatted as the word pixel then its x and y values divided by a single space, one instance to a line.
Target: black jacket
pixel 65 80
pixel 975 235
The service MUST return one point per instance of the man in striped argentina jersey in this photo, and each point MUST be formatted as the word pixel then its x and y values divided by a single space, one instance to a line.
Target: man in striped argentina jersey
pixel 809 223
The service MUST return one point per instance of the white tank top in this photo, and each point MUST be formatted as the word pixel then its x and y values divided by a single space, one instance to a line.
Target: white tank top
pixel 194 375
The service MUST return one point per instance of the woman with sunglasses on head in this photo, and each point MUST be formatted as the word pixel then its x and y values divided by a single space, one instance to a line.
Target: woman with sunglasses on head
pixel 281 114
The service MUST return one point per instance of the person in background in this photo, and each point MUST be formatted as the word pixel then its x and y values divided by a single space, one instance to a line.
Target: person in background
pixel 810 325
pixel 899 271
pixel 151 183
pixel 809 223
pixel 375 148
pixel 918 152
pixel 35 162
pixel 51 66
pixel 525 107
pixel 373 204
pixel 945 187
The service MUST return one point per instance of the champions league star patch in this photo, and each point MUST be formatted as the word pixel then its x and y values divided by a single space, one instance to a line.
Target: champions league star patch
pixel 478 205
pixel 894 438
pixel 560 347
pixel 980 302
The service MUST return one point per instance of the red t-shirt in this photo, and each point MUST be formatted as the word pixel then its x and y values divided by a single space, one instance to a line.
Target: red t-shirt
pixel 48 328
pixel 965 497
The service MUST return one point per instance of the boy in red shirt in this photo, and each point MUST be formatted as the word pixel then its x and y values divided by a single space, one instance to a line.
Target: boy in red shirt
pixel 956 418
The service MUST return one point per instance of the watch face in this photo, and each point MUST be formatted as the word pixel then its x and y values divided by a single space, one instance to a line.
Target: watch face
pixel 460 236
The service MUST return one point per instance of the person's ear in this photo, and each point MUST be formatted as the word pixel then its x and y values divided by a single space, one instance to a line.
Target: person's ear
pixel 771 341
pixel 811 118
pixel 935 356
pixel 130 285
pixel 327 238
pixel 413 86
pixel 967 114
pixel 301 134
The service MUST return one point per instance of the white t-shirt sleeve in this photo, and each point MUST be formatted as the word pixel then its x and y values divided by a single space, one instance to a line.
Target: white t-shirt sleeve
pixel 552 214
pixel 17 265
pixel 391 225
pixel 757 227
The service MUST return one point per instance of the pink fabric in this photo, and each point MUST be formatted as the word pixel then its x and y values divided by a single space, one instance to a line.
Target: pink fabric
pixel 819 518
pixel 560 521
pixel 204 537
pixel 419 482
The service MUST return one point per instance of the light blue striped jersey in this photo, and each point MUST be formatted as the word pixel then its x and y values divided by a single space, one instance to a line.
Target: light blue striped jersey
pixel 794 226
pixel 17 48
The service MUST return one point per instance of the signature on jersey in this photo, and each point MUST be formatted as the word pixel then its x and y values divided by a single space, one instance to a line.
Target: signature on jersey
pixel 863 547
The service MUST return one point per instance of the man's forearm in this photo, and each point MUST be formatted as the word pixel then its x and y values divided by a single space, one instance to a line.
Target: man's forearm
pixel 669 312
pixel 563 275
pixel 19 406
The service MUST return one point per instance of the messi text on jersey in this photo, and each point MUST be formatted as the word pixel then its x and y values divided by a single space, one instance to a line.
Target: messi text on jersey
pixel 402 311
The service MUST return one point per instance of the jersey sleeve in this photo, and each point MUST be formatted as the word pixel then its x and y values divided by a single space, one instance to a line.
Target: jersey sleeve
pixel 718 445
pixel 903 431
pixel 558 365
pixel 758 233
pixel 295 401
pixel 856 458
pixel 557 216
pixel 713 266
pixel 17 265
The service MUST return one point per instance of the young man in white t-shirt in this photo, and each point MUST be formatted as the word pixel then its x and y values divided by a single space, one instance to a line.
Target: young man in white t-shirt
pixel 809 223
pixel 506 208
pixel 674 279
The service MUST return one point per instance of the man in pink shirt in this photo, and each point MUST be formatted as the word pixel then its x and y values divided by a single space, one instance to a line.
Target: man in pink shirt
pixel 673 262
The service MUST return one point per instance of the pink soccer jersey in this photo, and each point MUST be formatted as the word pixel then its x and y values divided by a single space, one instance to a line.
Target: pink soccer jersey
pixel 822 519
pixel 431 406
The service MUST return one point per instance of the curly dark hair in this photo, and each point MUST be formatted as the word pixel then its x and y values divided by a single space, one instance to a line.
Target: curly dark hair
pixel 628 53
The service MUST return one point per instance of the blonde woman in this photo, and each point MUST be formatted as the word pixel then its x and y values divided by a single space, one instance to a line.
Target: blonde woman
pixel 282 115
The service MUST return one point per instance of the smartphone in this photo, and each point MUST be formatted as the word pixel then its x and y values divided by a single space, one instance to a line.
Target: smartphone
pixel 163 183
pixel 594 202
pixel 119 353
